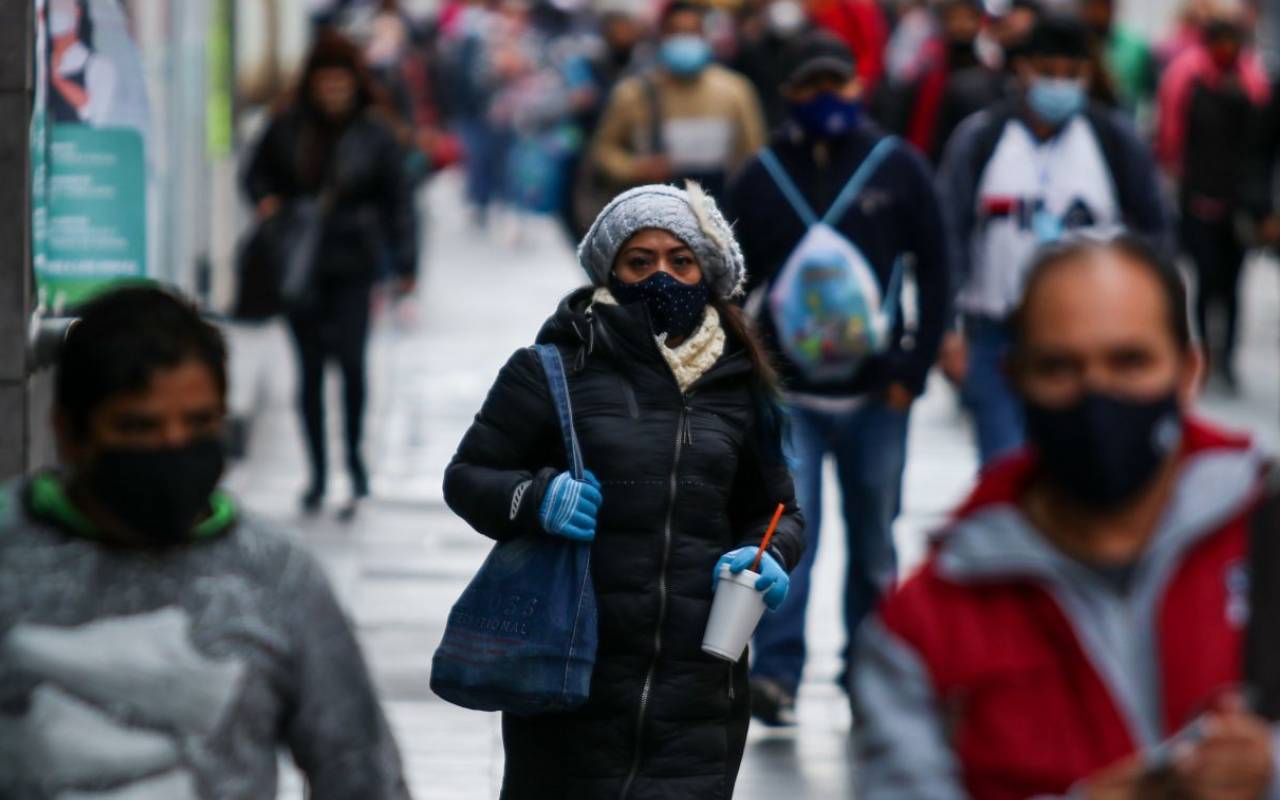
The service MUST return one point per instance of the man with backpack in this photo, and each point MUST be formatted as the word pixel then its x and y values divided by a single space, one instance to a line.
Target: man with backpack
pixel 1021 175
pixel 833 218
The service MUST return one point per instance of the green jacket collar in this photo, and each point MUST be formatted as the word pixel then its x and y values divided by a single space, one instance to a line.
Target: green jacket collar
pixel 48 499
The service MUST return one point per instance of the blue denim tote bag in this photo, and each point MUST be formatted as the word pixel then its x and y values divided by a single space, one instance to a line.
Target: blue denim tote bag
pixel 522 638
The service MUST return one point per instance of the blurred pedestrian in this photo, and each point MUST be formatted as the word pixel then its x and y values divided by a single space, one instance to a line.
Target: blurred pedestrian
pixel 1078 629
pixel 862 26
pixel 548 83
pixel 1192 17
pixel 1126 57
pixel 1022 175
pixel 473 82
pixel 1011 29
pixel 950 83
pixel 673 402
pixel 157 640
pixel 764 38
pixel 881 211
pixel 623 52
pixel 1210 98
pixel 385 51
pixel 331 144
pixel 688 118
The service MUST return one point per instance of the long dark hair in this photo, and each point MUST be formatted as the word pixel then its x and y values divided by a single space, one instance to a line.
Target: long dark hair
pixel 319 133
pixel 766 387
pixel 332 49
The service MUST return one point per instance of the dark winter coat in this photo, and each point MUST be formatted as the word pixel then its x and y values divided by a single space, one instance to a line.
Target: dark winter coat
pixel 1214 165
pixel 684 482
pixel 371 229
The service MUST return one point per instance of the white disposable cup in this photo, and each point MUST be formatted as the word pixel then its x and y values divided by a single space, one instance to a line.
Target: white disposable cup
pixel 735 613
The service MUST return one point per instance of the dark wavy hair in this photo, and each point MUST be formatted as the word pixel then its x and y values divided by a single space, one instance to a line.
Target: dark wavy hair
pixel 331 50
pixel 766 387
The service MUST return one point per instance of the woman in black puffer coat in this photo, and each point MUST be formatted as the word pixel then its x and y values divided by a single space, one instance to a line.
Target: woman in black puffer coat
pixel 335 141
pixel 673 404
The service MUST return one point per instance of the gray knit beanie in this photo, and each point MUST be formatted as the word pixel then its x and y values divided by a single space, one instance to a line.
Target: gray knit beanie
pixel 689 214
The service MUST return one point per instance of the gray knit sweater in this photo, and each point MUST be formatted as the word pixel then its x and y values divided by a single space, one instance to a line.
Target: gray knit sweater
pixel 177 675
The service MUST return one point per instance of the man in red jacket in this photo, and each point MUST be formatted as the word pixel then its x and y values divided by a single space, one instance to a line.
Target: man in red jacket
pixel 1077 630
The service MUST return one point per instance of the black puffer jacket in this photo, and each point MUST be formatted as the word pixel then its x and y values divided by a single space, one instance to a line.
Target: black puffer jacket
pixel 372 222
pixel 683 483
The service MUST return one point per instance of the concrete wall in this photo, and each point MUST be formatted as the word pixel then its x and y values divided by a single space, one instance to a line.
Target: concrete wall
pixel 24 400
pixel 15 254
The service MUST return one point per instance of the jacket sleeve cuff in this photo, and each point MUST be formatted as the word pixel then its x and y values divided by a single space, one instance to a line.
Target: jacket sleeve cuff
pixel 526 501
pixel 777 556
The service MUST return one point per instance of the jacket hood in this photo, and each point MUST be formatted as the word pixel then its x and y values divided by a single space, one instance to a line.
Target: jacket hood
pixel 990 538
pixel 620 332
pixel 568 325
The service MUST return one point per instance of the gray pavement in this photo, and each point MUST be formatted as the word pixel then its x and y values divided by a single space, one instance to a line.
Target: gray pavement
pixel 400 565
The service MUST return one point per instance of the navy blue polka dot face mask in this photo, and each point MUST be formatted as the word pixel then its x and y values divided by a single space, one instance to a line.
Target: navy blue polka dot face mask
pixel 675 308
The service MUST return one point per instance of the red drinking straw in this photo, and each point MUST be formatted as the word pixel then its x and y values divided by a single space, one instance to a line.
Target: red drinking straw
pixel 768 535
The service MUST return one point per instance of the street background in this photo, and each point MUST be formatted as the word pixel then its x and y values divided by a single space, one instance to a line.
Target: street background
pixel 405 558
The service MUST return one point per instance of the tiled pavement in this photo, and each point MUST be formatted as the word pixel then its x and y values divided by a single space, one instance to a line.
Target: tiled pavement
pixel 401 564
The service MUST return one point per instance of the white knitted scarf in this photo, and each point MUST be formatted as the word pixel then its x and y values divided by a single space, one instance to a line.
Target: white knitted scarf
pixel 695 355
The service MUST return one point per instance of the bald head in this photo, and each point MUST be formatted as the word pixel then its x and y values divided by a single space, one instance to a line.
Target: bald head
pixel 1108 317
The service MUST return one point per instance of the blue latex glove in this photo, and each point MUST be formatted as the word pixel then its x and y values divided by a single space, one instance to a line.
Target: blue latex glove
pixel 569 507
pixel 773 581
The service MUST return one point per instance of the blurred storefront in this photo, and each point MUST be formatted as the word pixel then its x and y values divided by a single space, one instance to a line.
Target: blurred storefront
pixel 139 110
pixel 209 65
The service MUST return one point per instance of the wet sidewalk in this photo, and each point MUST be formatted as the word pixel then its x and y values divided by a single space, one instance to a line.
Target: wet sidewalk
pixel 404 559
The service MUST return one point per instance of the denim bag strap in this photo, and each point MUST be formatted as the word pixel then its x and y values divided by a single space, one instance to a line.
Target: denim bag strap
pixel 558 384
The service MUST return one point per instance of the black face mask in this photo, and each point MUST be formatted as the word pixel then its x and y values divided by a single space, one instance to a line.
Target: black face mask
pixel 158 493
pixel 1103 450
pixel 675 308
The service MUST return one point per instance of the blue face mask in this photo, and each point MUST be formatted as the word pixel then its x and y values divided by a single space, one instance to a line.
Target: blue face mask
pixel 1055 100
pixel 675 308
pixel 685 54
pixel 827 115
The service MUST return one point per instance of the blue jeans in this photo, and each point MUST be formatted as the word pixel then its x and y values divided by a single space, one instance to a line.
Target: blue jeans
pixel 486 146
pixel 869 445
pixel 997 411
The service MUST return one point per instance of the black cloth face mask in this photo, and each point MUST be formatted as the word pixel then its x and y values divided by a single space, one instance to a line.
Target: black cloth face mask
pixel 1102 449
pixel 157 492
pixel 675 308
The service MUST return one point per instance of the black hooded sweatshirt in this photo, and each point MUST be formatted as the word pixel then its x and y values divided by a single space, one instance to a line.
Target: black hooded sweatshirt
pixel 684 481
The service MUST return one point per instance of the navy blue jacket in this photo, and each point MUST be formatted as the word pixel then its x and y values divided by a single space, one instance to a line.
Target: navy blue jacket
pixel 896 214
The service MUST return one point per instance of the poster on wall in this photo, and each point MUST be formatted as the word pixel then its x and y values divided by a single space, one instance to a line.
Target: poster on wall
pixel 39 141
pixel 91 117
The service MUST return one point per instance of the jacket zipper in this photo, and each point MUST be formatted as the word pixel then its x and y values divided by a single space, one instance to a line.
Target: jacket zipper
pixel 681 433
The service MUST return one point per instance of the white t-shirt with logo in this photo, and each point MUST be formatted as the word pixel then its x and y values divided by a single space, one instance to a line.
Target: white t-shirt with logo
pixel 1033 192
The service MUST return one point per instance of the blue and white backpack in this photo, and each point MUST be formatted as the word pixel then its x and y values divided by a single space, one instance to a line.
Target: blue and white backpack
pixel 826 303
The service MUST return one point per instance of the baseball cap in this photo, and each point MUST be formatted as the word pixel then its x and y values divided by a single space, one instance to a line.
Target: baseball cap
pixel 816 53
